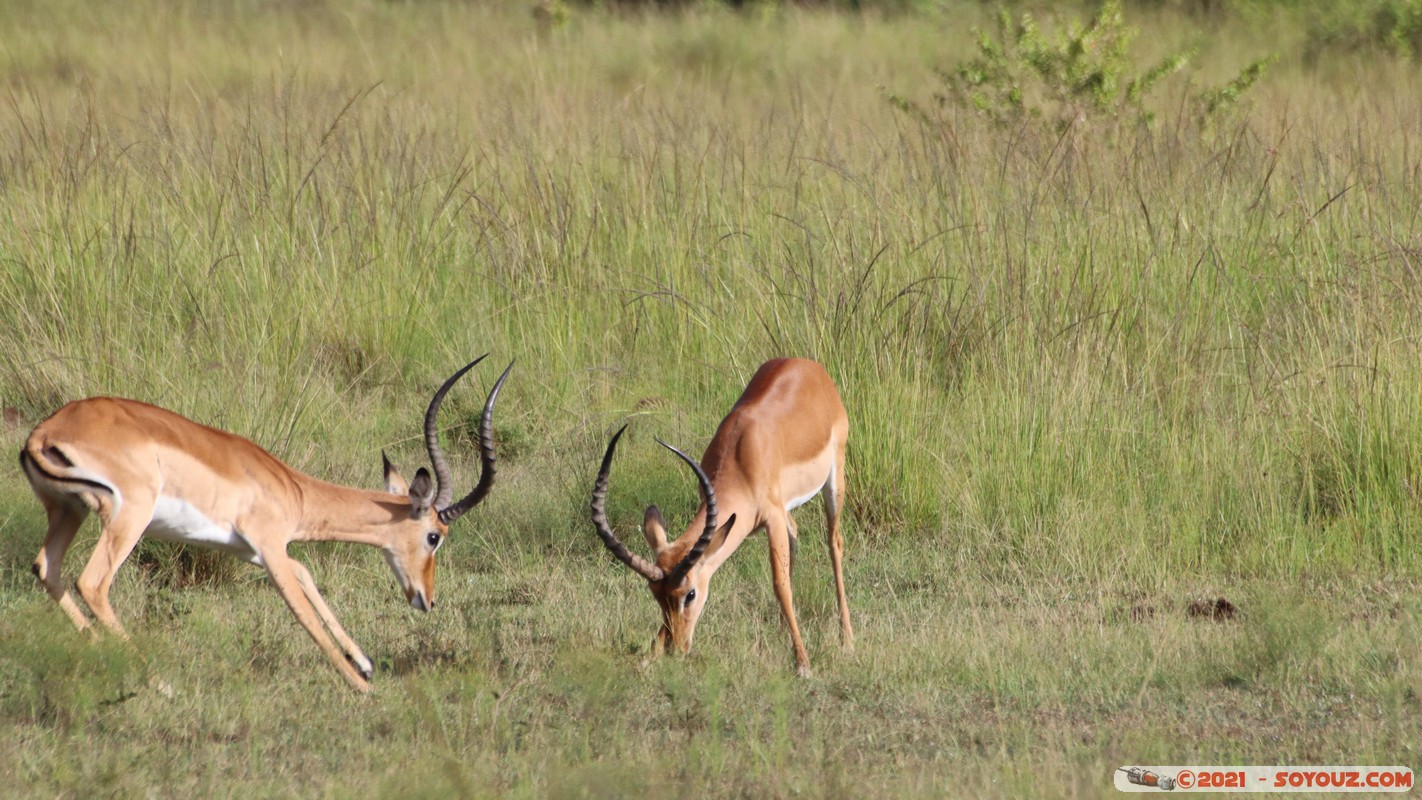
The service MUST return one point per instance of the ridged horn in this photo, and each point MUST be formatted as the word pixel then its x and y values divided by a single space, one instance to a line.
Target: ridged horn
pixel 444 486
pixel 636 563
pixel 698 549
pixel 448 514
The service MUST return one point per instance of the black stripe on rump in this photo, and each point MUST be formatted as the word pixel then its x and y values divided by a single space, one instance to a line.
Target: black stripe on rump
pixel 57 455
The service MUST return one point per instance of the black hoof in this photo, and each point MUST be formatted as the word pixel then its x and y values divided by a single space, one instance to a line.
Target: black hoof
pixel 364 673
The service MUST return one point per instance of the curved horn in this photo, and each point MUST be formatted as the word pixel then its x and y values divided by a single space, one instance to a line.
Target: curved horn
pixel 639 565
pixel 444 488
pixel 486 455
pixel 698 549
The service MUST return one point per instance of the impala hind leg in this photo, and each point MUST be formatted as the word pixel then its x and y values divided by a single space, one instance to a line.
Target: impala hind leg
pixel 794 542
pixel 353 652
pixel 833 496
pixel 122 530
pixel 779 534
pixel 284 576
pixel 64 522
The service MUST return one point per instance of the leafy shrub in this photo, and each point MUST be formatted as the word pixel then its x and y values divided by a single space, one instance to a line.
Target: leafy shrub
pixel 1083 71
pixel 1393 27
pixel 1084 75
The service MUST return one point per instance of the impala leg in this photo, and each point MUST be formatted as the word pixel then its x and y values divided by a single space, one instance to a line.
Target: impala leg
pixel 64 522
pixel 352 651
pixel 661 641
pixel 794 541
pixel 283 575
pixel 779 534
pixel 121 532
pixel 833 496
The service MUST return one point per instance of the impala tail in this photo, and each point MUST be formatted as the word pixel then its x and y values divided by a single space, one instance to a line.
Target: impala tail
pixel 55 474
pixel 149 472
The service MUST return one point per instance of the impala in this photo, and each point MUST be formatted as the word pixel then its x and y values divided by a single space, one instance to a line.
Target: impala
pixel 147 471
pixel 782 444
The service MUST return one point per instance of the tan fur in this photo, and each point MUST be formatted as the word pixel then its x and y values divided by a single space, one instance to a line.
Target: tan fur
pixel 782 440
pixel 146 453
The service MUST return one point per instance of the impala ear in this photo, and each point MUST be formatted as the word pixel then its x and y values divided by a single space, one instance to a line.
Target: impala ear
pixel 394 484
pixel 719 537
pixel 654 530
pixel 422 492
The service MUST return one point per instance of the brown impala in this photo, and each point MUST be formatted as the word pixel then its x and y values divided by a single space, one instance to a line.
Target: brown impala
pixel 782 444
pixel 147 471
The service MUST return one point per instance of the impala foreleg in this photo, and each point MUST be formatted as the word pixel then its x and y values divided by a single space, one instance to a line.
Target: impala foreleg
pixel 779 534
pixel 834 503
pixel 353 652
pixel 284 576
pixel 661 641
pixel 64 522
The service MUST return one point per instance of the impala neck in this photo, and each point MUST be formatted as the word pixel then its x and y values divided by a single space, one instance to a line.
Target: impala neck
pixel 334 513
pixel 729 500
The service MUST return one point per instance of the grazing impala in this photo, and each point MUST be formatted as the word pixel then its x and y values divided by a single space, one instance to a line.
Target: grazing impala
pixel 782 444
pixel 147 471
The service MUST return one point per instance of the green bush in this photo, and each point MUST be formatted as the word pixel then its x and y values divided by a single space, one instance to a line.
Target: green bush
pixel 1084 76
pixel 1393 27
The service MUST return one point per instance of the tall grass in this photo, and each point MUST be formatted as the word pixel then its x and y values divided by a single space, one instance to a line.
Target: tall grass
pixel 292 225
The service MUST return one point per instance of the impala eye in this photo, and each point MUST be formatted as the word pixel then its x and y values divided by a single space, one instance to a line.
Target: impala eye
pixel 433 539
pixel 690 597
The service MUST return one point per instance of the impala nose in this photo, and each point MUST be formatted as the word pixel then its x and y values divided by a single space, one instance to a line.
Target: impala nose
pixel 418 601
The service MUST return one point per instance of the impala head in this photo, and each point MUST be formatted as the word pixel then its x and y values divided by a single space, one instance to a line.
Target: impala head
pixel 675 579
pixel 427 511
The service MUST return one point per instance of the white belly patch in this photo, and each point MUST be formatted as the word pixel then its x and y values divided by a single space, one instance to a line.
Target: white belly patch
pixel 800 501
pixel 178 521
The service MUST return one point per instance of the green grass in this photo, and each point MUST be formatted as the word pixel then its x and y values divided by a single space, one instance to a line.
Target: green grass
pixel 1086 375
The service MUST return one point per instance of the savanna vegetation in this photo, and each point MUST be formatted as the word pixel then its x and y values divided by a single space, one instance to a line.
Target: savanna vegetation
pixel 1124 304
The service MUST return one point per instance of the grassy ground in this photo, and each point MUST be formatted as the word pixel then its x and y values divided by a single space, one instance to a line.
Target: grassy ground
pixel 1090 377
